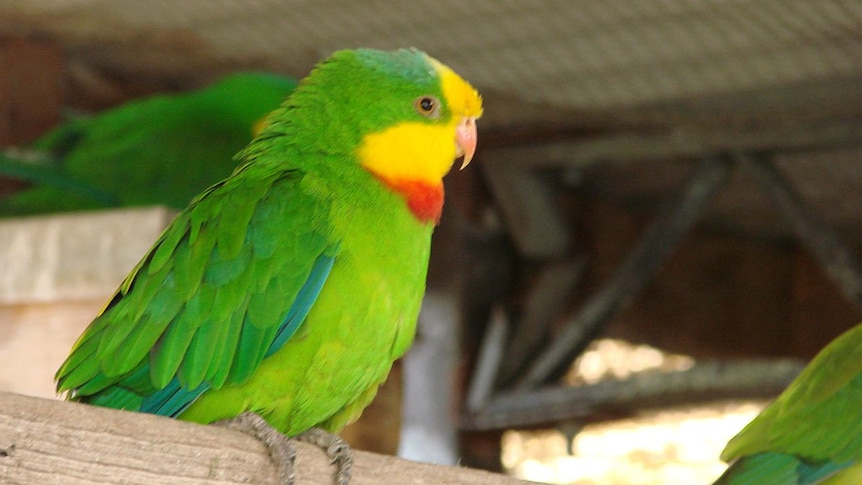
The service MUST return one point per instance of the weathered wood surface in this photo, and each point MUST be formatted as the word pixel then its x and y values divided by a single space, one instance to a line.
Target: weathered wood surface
pixel 46 442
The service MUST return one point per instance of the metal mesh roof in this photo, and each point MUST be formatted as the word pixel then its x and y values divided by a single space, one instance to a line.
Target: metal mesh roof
pixel 585 54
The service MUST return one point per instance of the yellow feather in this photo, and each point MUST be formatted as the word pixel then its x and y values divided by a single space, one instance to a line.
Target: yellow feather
pixel 429 149
pixel 462 98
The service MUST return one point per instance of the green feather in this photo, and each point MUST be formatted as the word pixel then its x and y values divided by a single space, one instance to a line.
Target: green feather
pixel 173 344
pixel 813 427
pixel 164 253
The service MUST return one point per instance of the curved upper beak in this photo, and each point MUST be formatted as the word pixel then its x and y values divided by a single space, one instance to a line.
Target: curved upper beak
pixel 465 140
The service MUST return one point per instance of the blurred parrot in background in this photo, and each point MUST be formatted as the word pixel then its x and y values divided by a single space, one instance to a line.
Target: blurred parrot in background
pixel 288 289
pixel 160 150
pixel 812 433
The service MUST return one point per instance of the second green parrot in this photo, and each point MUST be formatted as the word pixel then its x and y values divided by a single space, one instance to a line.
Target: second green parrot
pixel 812 433
pixel 289 288
pixel 162 150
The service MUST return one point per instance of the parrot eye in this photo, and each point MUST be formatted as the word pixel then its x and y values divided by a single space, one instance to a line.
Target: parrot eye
pixel 428 106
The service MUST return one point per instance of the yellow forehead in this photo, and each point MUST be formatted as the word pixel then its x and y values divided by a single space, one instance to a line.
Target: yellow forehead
pixel 463 99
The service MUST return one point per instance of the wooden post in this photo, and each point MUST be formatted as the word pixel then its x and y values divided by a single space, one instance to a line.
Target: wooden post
pixel 31 93
pixel 45 441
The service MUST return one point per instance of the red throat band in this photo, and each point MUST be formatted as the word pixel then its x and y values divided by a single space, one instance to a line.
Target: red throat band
pixel 425 201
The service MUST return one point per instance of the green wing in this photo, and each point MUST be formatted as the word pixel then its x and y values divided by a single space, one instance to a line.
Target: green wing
pixel 814 428
pixel 205 305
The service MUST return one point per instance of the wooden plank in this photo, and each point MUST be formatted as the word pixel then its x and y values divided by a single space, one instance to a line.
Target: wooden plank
pixel 77 256
pixel 44 441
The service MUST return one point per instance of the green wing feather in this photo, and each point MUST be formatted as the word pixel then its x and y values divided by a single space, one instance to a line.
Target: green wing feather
pixel 204 304
pixel 815 424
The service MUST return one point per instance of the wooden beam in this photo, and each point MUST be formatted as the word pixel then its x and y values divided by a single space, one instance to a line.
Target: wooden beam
pixel 704 382
pixel 654 248
pixel 529 206
pixel 546 300
pixel 835 256
pixel 47 441
pixel 668 143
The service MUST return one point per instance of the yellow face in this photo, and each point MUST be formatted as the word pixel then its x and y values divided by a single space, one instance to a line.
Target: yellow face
pixel 424 152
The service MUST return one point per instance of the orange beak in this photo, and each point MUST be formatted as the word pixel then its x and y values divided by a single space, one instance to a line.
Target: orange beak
pixel 465 140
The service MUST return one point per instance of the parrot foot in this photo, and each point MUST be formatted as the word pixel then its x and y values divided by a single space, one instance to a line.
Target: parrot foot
pixel 280 447
pixel 336 448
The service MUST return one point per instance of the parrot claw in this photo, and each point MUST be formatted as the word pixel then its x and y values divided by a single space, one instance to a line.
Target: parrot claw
pixel 280 447
pixel 336 448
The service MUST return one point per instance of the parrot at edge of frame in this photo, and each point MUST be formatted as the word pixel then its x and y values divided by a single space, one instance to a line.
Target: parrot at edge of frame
pixel 159 150
pixel 811 433
pixel 288 289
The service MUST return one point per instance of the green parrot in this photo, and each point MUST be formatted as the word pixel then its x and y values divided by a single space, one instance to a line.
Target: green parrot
pixel 288 289
pixel 812 433
pixel 163 149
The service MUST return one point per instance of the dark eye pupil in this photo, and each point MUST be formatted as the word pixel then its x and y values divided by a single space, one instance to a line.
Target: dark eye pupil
pixel 426 104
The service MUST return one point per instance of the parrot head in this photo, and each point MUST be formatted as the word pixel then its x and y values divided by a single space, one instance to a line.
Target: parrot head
pixel 402 115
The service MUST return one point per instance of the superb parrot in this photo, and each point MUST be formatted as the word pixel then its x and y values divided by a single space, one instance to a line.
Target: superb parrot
pixel 163 149
pixel 812 433
pixel 289 288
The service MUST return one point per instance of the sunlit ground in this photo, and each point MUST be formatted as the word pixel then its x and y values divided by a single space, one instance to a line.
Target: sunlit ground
pixel 673 447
